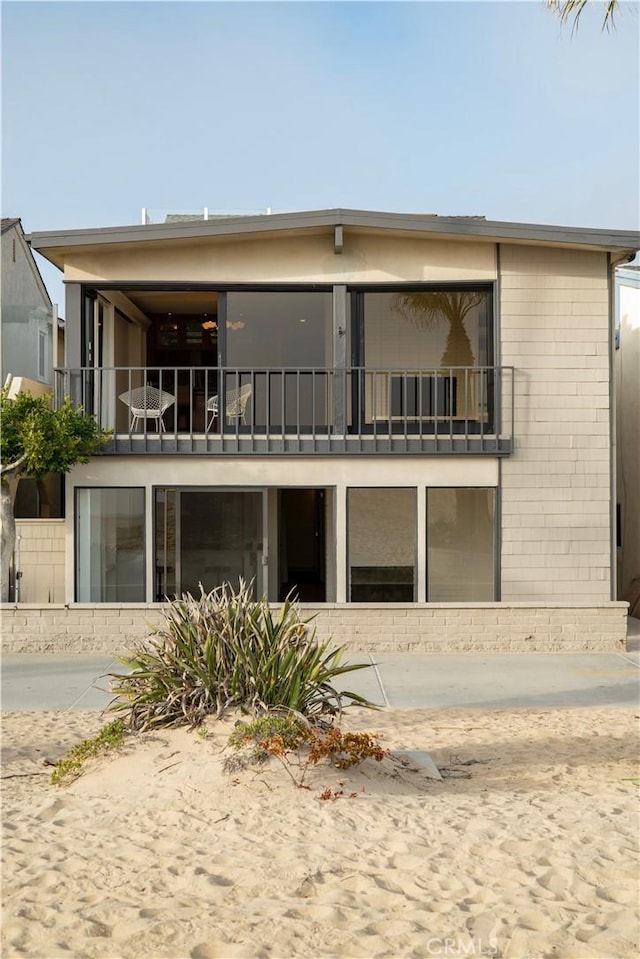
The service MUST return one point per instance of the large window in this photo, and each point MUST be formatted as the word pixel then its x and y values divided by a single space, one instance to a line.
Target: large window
pixel 110 545
pixel 461 565
pixel 279 329
pixel 279 346
pixel 381 545
pixel 427 355
pixel 207 536
pixel 430 329
pixel 460 545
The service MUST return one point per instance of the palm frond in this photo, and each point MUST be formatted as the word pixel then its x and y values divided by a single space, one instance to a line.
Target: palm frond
pixel 428 309
pixel 569 10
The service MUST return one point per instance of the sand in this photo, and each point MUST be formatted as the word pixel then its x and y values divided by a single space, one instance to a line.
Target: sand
pixel 527 848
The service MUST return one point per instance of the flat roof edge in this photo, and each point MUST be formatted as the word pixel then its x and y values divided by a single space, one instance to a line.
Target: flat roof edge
pixel 281 222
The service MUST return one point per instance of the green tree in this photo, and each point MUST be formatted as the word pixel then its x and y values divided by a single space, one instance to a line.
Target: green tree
pixel 35 440
pixel 571 10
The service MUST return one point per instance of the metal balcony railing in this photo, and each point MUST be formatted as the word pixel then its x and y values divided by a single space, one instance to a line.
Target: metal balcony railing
pixel 297 410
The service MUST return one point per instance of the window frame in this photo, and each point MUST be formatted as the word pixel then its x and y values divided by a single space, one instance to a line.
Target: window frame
pixel 42 355
pixel 356 293
pixel 145 558
pixel 416 571
pixel 496 551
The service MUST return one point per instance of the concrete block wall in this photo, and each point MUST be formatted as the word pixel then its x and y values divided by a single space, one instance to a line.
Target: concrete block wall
pixel 437 627
pixel 556 485
pixel 42 560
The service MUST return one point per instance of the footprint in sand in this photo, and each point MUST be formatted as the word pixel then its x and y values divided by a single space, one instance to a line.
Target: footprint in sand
pixel 621 894
pixel 151 913
pixel 483 926
pixel 204 951
pixel 556 881
pixel 50 810
pixel 388 885
pixel 324 914
pixel 46 880
pixel 215 880
pixel 98 930
pixel 536 921
pixel 586 933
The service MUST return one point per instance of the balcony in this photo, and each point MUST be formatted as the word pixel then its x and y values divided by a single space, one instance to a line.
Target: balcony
pixel 200 410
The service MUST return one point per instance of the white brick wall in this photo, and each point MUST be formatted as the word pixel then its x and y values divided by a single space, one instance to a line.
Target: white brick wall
pixel 437 627
pixel 555 486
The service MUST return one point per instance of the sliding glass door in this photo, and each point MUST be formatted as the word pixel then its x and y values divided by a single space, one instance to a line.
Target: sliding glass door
pixel 279 351
pixel 207 537
pixel 424 358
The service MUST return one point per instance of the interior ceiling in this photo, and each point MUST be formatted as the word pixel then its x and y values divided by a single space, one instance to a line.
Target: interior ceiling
pixel 194 302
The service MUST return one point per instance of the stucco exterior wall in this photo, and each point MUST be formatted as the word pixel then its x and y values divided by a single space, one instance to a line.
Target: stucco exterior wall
pixel 243 471
pixel 437 627
pixel 309 259
pixel 556 485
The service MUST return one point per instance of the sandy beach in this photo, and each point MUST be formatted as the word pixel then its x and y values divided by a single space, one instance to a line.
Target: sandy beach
pixel 528 847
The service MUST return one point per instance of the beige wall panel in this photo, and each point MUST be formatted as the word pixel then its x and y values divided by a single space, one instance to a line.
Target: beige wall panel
pixel 556 485
pixel 284 471
pixel 293 260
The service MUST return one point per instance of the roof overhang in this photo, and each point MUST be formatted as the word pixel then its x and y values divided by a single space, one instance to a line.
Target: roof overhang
pixel 54 245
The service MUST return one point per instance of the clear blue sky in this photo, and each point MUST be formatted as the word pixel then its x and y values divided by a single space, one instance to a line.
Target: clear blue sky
pixel 440 107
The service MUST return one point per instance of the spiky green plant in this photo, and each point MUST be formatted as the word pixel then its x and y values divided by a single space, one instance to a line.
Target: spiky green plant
pixel 225 650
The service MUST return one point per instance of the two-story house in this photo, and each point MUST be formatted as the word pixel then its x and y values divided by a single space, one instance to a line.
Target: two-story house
pixel 405 419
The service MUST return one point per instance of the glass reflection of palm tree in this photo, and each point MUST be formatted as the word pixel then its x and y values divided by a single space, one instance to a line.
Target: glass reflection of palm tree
pixel 427 311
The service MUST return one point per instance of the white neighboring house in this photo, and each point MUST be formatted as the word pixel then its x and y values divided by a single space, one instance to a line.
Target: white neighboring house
pixel 406 419
pixel 31 339
pixel 27 313
pixel 627 370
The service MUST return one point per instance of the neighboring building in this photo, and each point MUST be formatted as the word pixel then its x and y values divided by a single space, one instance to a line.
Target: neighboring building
pixel 628 433
pixel 27 314
pixel 32 339
pixel 406 419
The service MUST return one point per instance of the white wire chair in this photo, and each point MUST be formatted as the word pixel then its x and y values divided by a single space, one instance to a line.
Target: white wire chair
pixel 236 405
pixel 147 403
